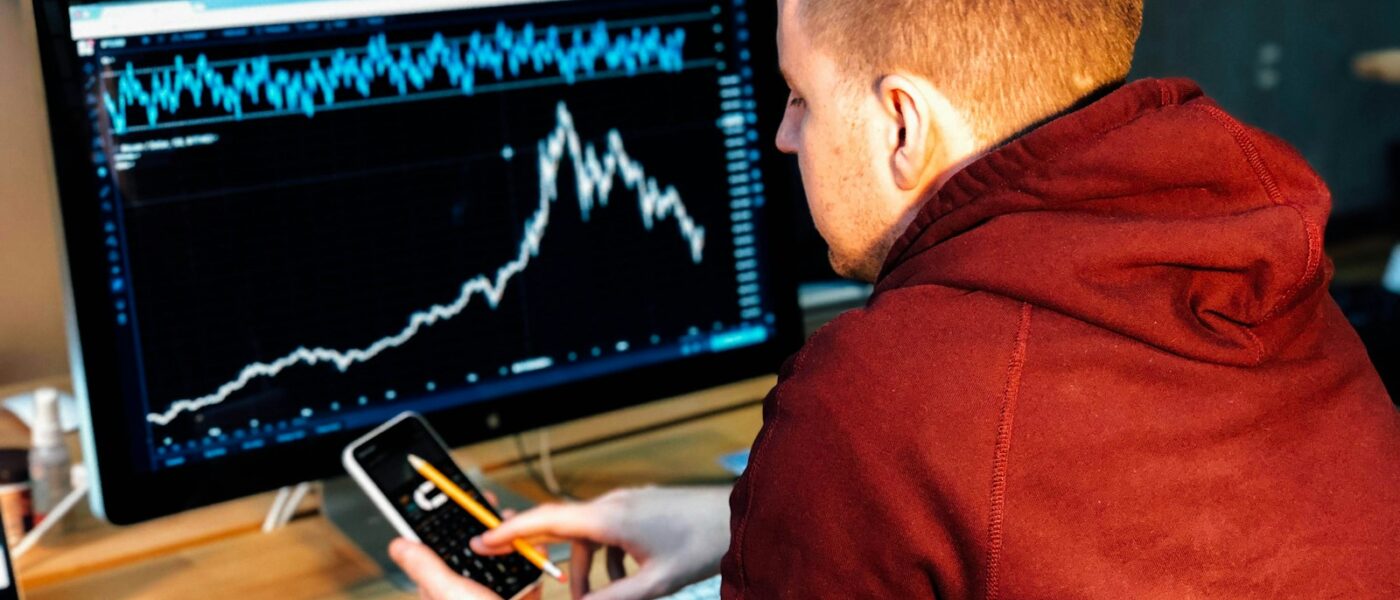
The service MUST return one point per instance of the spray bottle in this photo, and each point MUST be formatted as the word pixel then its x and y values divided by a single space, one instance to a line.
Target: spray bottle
pixel 49 462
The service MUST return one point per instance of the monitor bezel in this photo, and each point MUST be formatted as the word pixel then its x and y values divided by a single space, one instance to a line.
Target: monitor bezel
pixel 125 494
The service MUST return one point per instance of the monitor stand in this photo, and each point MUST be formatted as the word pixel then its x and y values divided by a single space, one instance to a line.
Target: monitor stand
pixel 347 507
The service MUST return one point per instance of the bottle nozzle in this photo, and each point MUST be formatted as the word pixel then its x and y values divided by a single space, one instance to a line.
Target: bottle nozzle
pixel 47 429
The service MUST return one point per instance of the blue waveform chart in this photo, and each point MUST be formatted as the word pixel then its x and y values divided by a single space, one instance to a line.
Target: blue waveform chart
pixel 601 174
pixel 202 90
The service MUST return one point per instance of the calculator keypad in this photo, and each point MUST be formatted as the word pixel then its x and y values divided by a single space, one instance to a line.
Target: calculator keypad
pixel 449 528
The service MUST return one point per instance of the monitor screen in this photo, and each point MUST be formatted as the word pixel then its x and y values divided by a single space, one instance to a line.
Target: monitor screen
pixel 289 220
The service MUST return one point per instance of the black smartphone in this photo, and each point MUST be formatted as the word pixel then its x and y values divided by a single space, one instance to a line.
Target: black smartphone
pixel 379 463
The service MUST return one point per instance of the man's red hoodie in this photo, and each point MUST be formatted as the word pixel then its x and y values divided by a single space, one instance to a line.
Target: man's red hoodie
pixel 1101 363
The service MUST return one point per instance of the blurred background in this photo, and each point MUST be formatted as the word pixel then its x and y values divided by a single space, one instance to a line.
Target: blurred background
pixel 1287 66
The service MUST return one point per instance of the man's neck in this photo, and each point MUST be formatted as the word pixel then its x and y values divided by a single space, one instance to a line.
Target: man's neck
pixel 1082 102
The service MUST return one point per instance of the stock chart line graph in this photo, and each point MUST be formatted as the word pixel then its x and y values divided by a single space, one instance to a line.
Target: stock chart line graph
pixel 239 88
pixel 596 174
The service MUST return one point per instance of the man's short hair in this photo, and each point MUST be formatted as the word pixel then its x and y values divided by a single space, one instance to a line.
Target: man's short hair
pixel 1006 63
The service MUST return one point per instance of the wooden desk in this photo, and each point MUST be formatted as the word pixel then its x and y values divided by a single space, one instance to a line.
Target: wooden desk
pixel 219 552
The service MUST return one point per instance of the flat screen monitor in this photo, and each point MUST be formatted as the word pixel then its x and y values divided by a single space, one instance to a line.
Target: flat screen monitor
pixel 285 221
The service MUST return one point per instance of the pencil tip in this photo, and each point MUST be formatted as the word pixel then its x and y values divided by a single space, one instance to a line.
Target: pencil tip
pixel 415 461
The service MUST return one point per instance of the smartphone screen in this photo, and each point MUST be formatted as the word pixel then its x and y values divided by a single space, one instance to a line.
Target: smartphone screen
pixel 438 521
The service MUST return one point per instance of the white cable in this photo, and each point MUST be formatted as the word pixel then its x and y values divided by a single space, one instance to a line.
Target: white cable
pixel 547 465
pixel 275 513
pixel 289 509
pixel 50 520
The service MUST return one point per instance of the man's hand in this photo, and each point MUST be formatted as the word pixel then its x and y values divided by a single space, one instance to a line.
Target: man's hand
pixel 435 580
pixel 677 536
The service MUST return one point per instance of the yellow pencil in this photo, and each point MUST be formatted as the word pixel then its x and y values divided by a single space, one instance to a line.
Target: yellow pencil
pixel 481 513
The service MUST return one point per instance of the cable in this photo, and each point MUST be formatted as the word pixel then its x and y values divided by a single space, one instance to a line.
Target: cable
pixel 547 464
pixel 284 506
pixel 289 509
pixel 275 512
pixel 80 489
pixel 547 479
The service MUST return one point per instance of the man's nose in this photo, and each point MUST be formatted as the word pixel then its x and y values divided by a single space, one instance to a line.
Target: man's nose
pixel 787 138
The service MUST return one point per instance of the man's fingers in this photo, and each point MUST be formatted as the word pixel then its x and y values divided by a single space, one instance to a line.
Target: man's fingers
pixel 434 578
pixel 550 521
pixel 421 564
pixel 580 564
pixel 645 584
pixel 479 546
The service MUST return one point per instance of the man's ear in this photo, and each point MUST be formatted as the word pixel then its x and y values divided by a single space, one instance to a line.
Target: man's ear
pixel 912 139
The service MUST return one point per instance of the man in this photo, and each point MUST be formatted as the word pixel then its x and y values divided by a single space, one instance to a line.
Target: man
pixel 1100 360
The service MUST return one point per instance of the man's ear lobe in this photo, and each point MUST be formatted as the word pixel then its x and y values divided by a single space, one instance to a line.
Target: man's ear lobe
pixel 912 143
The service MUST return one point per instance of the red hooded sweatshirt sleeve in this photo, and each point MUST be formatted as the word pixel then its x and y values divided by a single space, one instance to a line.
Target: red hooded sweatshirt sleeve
pixel 1101 363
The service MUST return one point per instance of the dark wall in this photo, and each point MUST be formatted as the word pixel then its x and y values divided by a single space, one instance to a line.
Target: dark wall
pixel 1285 66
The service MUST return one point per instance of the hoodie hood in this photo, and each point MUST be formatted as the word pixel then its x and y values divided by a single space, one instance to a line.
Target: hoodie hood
pixel 1151 213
